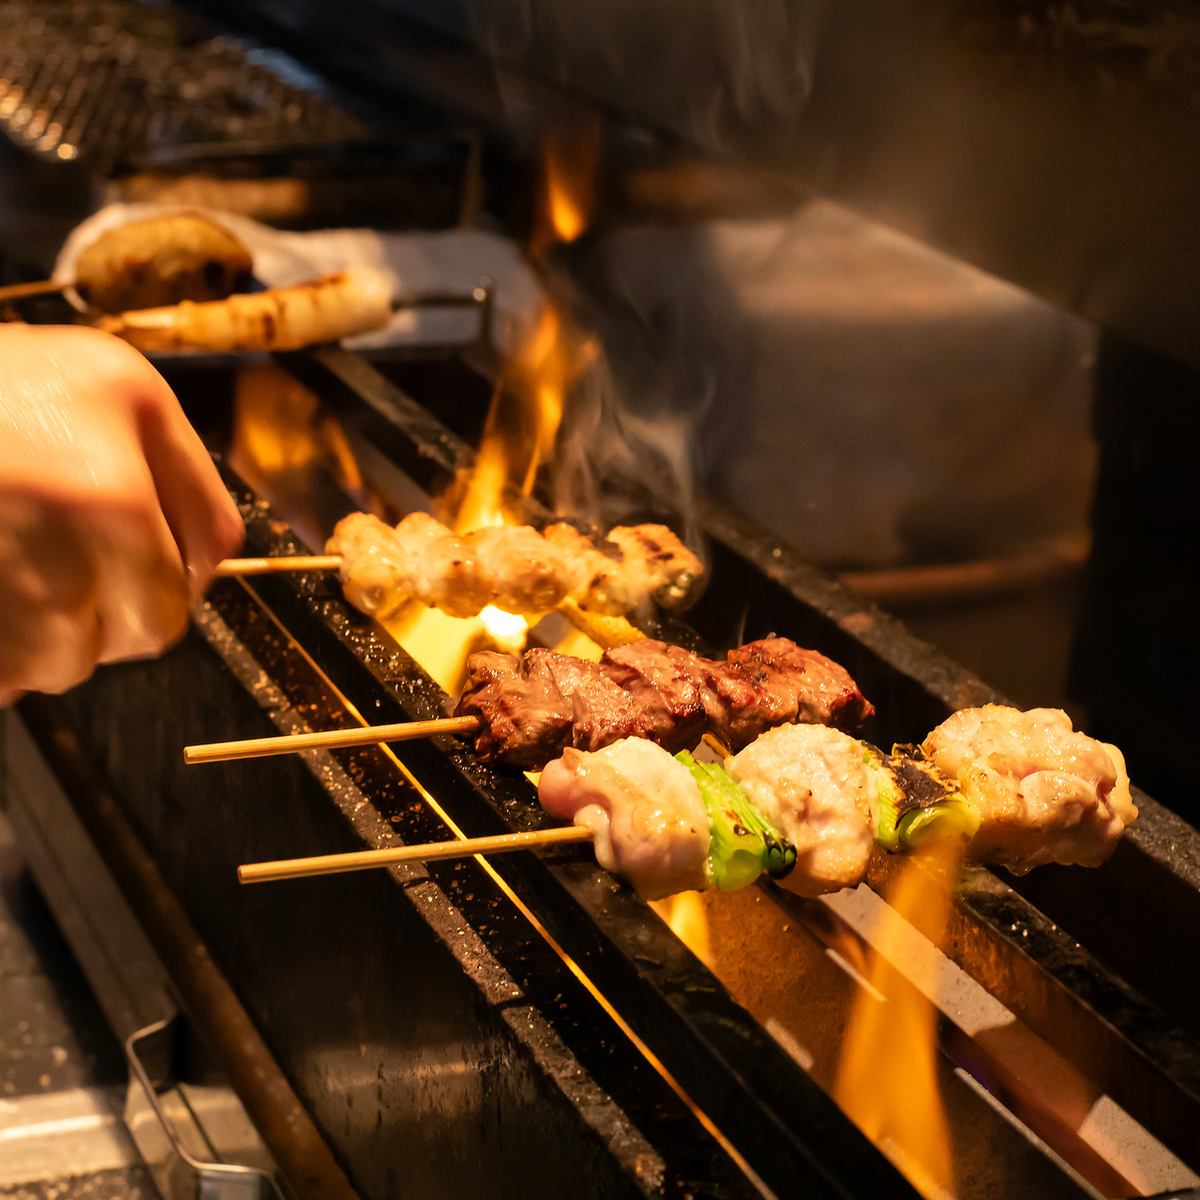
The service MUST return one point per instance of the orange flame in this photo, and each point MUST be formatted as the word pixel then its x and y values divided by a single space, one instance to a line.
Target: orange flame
pixel 528 403
pixel 687 919
pixel 570 169
pixel 887 1078
pixel 522 424
pixel 281 438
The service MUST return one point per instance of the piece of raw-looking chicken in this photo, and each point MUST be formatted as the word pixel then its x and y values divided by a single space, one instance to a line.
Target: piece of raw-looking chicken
pixel 644 809
pixel 1044 791
pixel 815 785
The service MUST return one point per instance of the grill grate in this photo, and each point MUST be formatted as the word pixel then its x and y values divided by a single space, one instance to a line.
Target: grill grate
pixel 117 80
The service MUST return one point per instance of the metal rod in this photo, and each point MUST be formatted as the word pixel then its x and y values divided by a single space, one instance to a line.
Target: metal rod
pixel 363 860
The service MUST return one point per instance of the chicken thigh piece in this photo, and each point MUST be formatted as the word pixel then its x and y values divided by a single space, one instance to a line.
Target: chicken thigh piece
pixel 812 783
pixel 644 809
pixel 526 572
pixel 1044 791
pixel 445 572
pixel 376 569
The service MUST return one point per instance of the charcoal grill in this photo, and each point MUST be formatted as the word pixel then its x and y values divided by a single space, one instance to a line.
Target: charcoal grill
pixel 529 1025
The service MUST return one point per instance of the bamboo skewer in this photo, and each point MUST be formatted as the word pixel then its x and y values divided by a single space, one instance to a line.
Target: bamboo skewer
pixel 39 287
pixel 363 860
pixel 277 566
pixel 327 739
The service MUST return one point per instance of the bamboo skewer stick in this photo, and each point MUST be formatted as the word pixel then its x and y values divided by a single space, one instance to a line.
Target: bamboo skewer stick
pixel 39 287
pixel 276 566
pixel 327 739
pixel 363 860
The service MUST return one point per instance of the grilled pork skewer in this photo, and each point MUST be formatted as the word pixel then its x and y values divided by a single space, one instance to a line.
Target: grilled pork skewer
pixel 527 711
pixel 335 306
pixel 512 567
pixel 802 802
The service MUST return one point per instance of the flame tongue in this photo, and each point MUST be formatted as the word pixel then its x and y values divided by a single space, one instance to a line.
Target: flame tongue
pixel 522 424
pixel 887 1078
pixel 570 167
pixel 521 429
pixel 530 397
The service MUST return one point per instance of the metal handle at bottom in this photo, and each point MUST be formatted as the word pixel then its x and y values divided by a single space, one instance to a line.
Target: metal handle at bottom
pixel 163 1121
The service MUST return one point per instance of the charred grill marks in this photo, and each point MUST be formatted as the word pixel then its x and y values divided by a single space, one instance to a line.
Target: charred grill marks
pixel 533 708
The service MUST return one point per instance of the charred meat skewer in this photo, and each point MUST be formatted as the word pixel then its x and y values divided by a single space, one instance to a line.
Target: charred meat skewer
pixel 531 709
pixel 528 710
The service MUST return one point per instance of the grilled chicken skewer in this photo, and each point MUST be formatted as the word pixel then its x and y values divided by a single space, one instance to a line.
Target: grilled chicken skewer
pixel 804 805
pixel 1020 788
pixel 513 567
pixel 527 711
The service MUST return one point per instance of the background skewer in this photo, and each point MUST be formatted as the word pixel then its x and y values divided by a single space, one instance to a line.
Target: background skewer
pixel 363 860
pixel 327 739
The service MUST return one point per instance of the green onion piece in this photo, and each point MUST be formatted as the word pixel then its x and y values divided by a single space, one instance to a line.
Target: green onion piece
pixel 744 845
pixel 885 797
pixel 781 854
pixel 930 805
pixel 953 817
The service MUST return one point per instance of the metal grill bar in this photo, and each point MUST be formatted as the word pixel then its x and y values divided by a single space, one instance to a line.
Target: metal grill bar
pixel 111 80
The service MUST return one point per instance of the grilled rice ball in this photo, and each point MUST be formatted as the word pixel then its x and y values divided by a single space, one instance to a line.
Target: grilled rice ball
pixel 160 261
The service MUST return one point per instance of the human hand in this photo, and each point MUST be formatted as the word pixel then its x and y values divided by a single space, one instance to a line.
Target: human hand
pixel 112 516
